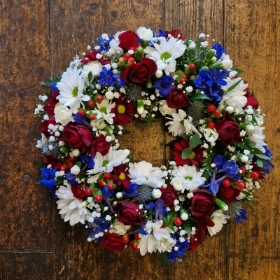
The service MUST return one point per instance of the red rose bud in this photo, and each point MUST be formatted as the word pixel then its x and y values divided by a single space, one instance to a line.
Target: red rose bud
pixel 229 194
pixel 177 99
pixel 100 145
pixel 139 73
pixel 128 40
pixel 168 195
pixel 252 101
pixel 112 241
pixel 202 203
pixel 228 130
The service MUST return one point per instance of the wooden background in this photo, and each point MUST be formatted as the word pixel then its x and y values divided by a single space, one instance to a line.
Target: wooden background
pixel 38 38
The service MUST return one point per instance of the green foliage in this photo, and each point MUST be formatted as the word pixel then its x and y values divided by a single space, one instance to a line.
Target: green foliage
pixel 53 80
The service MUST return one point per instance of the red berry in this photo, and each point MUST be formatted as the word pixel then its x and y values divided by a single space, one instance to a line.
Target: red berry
pixel 136 236
pixel 69 164
pixel 226 183
pixel 98 198
pixel 99 98
pixel 211 108
pixel 82 112
pixel 101 183
pixel 63 168
pixel 88 191
pixel 255 175
pixel 125 239
pixel 131 61
pixel 134 245
pixel 111 186
pixel 107 176
pixel 242 169
pixel 177 221
pixel 126 56
pixel 90 103
pixel 192 67
pixel 211 125
pixel 217 113
pixel 121 60
pixel 91 117
pixel 241 185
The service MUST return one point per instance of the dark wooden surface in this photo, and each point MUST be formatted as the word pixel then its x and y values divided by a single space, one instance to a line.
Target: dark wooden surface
pixel 37 39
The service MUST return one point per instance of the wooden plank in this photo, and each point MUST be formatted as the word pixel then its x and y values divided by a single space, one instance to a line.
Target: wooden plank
pixel 24 206
pixel 194 17
pixel 252 35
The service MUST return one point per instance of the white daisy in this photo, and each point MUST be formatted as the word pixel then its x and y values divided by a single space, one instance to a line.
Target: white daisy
pixel 103 111
pixel 165 53
pixel 72 209
pixel 71 89
pixel 235 98
pixel 156 238
pixel 186 177
pixel 108 162
pixel 176 123
pixel 219 219
pixel 258 137
pixel 143 173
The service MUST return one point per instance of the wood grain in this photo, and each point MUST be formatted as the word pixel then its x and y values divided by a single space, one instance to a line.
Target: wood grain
pixel 38 39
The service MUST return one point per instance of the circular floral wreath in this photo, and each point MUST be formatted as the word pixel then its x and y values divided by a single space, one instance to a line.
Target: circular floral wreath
pixel 219 153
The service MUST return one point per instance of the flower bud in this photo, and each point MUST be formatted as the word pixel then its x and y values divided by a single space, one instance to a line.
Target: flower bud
pixel 221 204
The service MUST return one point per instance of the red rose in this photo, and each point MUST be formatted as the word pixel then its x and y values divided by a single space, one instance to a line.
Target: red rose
pixel 251 101
pixel 139 73
pixel 128 40
pixel 176 33
pixel 44 127
pixel 51 102
pixel 77 137
pixel 229 194
pixel 100 145
pixel 202 203
pixel 53 161
pixel 168 195
pixel 127 213
pixel 91 56
pixel 228 130
pixel 196 239
pixel 78 191
pixel 177 99
pixel 112 242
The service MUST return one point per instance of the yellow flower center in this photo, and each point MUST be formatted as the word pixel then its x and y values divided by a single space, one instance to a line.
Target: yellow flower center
pixel 164 56
pixel 121 109
pixel 122 176
pixel 75 91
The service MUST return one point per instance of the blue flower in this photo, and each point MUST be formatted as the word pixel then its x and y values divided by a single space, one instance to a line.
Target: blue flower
pixel 104 43
pixel 219 50
pixel 54 87
pixel 107 77
pixel 164 85
pixel 150 206
pixel 228 167
pixel 81 120
pixel 161 33
pixel 241 217
pixel 87 160
pixel 48 175
pixel 268 166
pixel 71 178
pixel 98 225
pixel 181 247
pixel 106 193
pixel 131 191
pixel 160 209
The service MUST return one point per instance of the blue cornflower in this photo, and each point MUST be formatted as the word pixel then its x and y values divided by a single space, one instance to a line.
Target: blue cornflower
pixel 48 175
pixel 106 77
pixel 160 209
pixel 241 217
pixel 87 160
pixel 131 191
pixel 219 50
pixel 164 85
pixel 71 178
pixel 104 43
pixel 98 225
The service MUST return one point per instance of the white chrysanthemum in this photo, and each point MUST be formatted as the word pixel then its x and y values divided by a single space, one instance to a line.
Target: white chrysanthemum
pixel 71 89
pixel 219 219
pixel 62 114
pixel 94 67
pixel 165 53
pixel 71 208
pixel 176 123
pixel 189 127
pixel 211 135
pixel 156 238
pixel 108 162
pixel 258 137
pixel 235 98
pixel 104 111
pixel 119 228
pixel 164 109
pixel 143 173
pixel 186 177
pixel 144 33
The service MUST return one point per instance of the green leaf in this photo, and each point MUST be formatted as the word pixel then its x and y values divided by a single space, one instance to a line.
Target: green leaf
pixel 239 71
pixel 262 156
pixel 89 75
pixel 92 86
pixel 194 141
pixel 168 219
pixel 199 96
pixel 259 163
pixel 186 153
pixel 233 86
pixel 53 80
pixel 185 136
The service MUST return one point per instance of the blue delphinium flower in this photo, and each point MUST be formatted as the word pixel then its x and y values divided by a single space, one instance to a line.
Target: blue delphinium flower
pixel 48 175
pixel 87 160
pixel 81 120
pixel 54 87
pixel 150 206
pixel 267 163
pixel 131 191
pixel 160 209
pixel 161 33
pixel 182 244
pixel 104 43
pixel 106 193
pixel 106 77
pixel 164 85
pixel 219 50
pixel 98 225
pixel 241 217
pixel 71 178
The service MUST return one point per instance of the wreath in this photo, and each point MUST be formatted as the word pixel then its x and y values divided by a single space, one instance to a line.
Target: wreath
pixel 219 156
